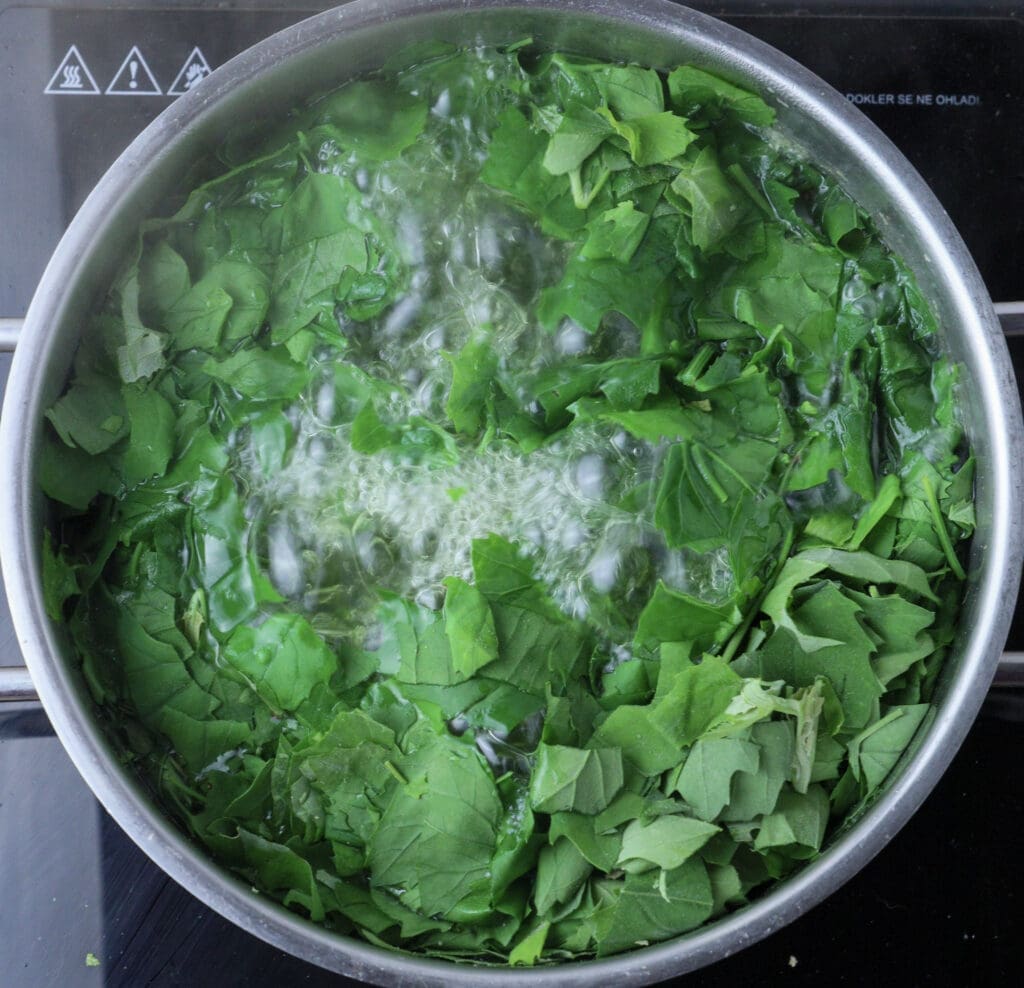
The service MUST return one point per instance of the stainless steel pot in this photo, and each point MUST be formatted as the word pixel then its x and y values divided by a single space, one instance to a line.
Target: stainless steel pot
pixel 324 51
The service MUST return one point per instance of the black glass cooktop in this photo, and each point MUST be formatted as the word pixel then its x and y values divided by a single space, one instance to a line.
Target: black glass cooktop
pixel 81 905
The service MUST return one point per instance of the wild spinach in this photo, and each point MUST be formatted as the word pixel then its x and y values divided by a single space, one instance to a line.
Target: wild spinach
pixel 514 510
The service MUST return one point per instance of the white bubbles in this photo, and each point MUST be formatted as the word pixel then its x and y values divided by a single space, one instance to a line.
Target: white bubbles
pixel 674 571
pixel 402 315
pixel 488 246
pixel 434 339
pixel 590 475
pixel 285 560
pixel 327 150
pixel 571 338
pixel 431 598
pixel 573 534
pixel 442 105
pixel 411 239
pixel 317 450
pixel 372 521
pixel 368 552
pixel 427 393
pixel 416 522
pixel 603 569
pixel 325 402
pixel 621 653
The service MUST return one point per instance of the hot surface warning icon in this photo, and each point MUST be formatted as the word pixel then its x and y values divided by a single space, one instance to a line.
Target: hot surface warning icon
pixel 72 77
pixel 195 69
pixel 134 78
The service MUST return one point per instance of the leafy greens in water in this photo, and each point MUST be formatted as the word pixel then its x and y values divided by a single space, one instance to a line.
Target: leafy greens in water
pixel 510 515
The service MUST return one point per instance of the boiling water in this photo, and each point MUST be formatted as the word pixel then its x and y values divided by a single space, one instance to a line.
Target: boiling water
pixel 335 524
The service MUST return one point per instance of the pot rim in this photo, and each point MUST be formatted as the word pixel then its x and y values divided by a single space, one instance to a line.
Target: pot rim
pixel 188 864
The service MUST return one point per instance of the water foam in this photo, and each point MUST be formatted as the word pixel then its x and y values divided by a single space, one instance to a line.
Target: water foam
pixel 413 524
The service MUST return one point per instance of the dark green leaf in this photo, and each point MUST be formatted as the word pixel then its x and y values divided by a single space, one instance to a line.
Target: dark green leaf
pixel 263 374
pixel 152 422
pixel 717 207
pixel 283 659
pixel 652 737
pixel 575 780
pixel 437 836
pixel 664 842
pixel 693 91
pixel 373 118
pixel 797 824
pixel 90 415
pixel 639 290
pixel 163 277
pixel 845 663
pixel 561 870
pixel 673 616
pixel 754 794
pixel 655 906
pixel 599 846
pixel 578 136
pixel 706 775
pixel 875 751
pixel 369 433
pixel 473 369
pixel 469 625
pixel 653 139
pixel 616 233
pixel 60 581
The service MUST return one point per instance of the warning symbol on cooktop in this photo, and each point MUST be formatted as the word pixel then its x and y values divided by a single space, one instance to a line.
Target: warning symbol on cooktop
pixel 193 71
pixel 72 77
pixel 134 77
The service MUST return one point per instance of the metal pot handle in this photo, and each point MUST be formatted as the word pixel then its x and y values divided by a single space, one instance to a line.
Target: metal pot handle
pixel 9 330
pixel 16 683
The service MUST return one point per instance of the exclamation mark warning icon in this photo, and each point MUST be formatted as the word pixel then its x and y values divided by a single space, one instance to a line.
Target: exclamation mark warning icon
pixel 134 77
